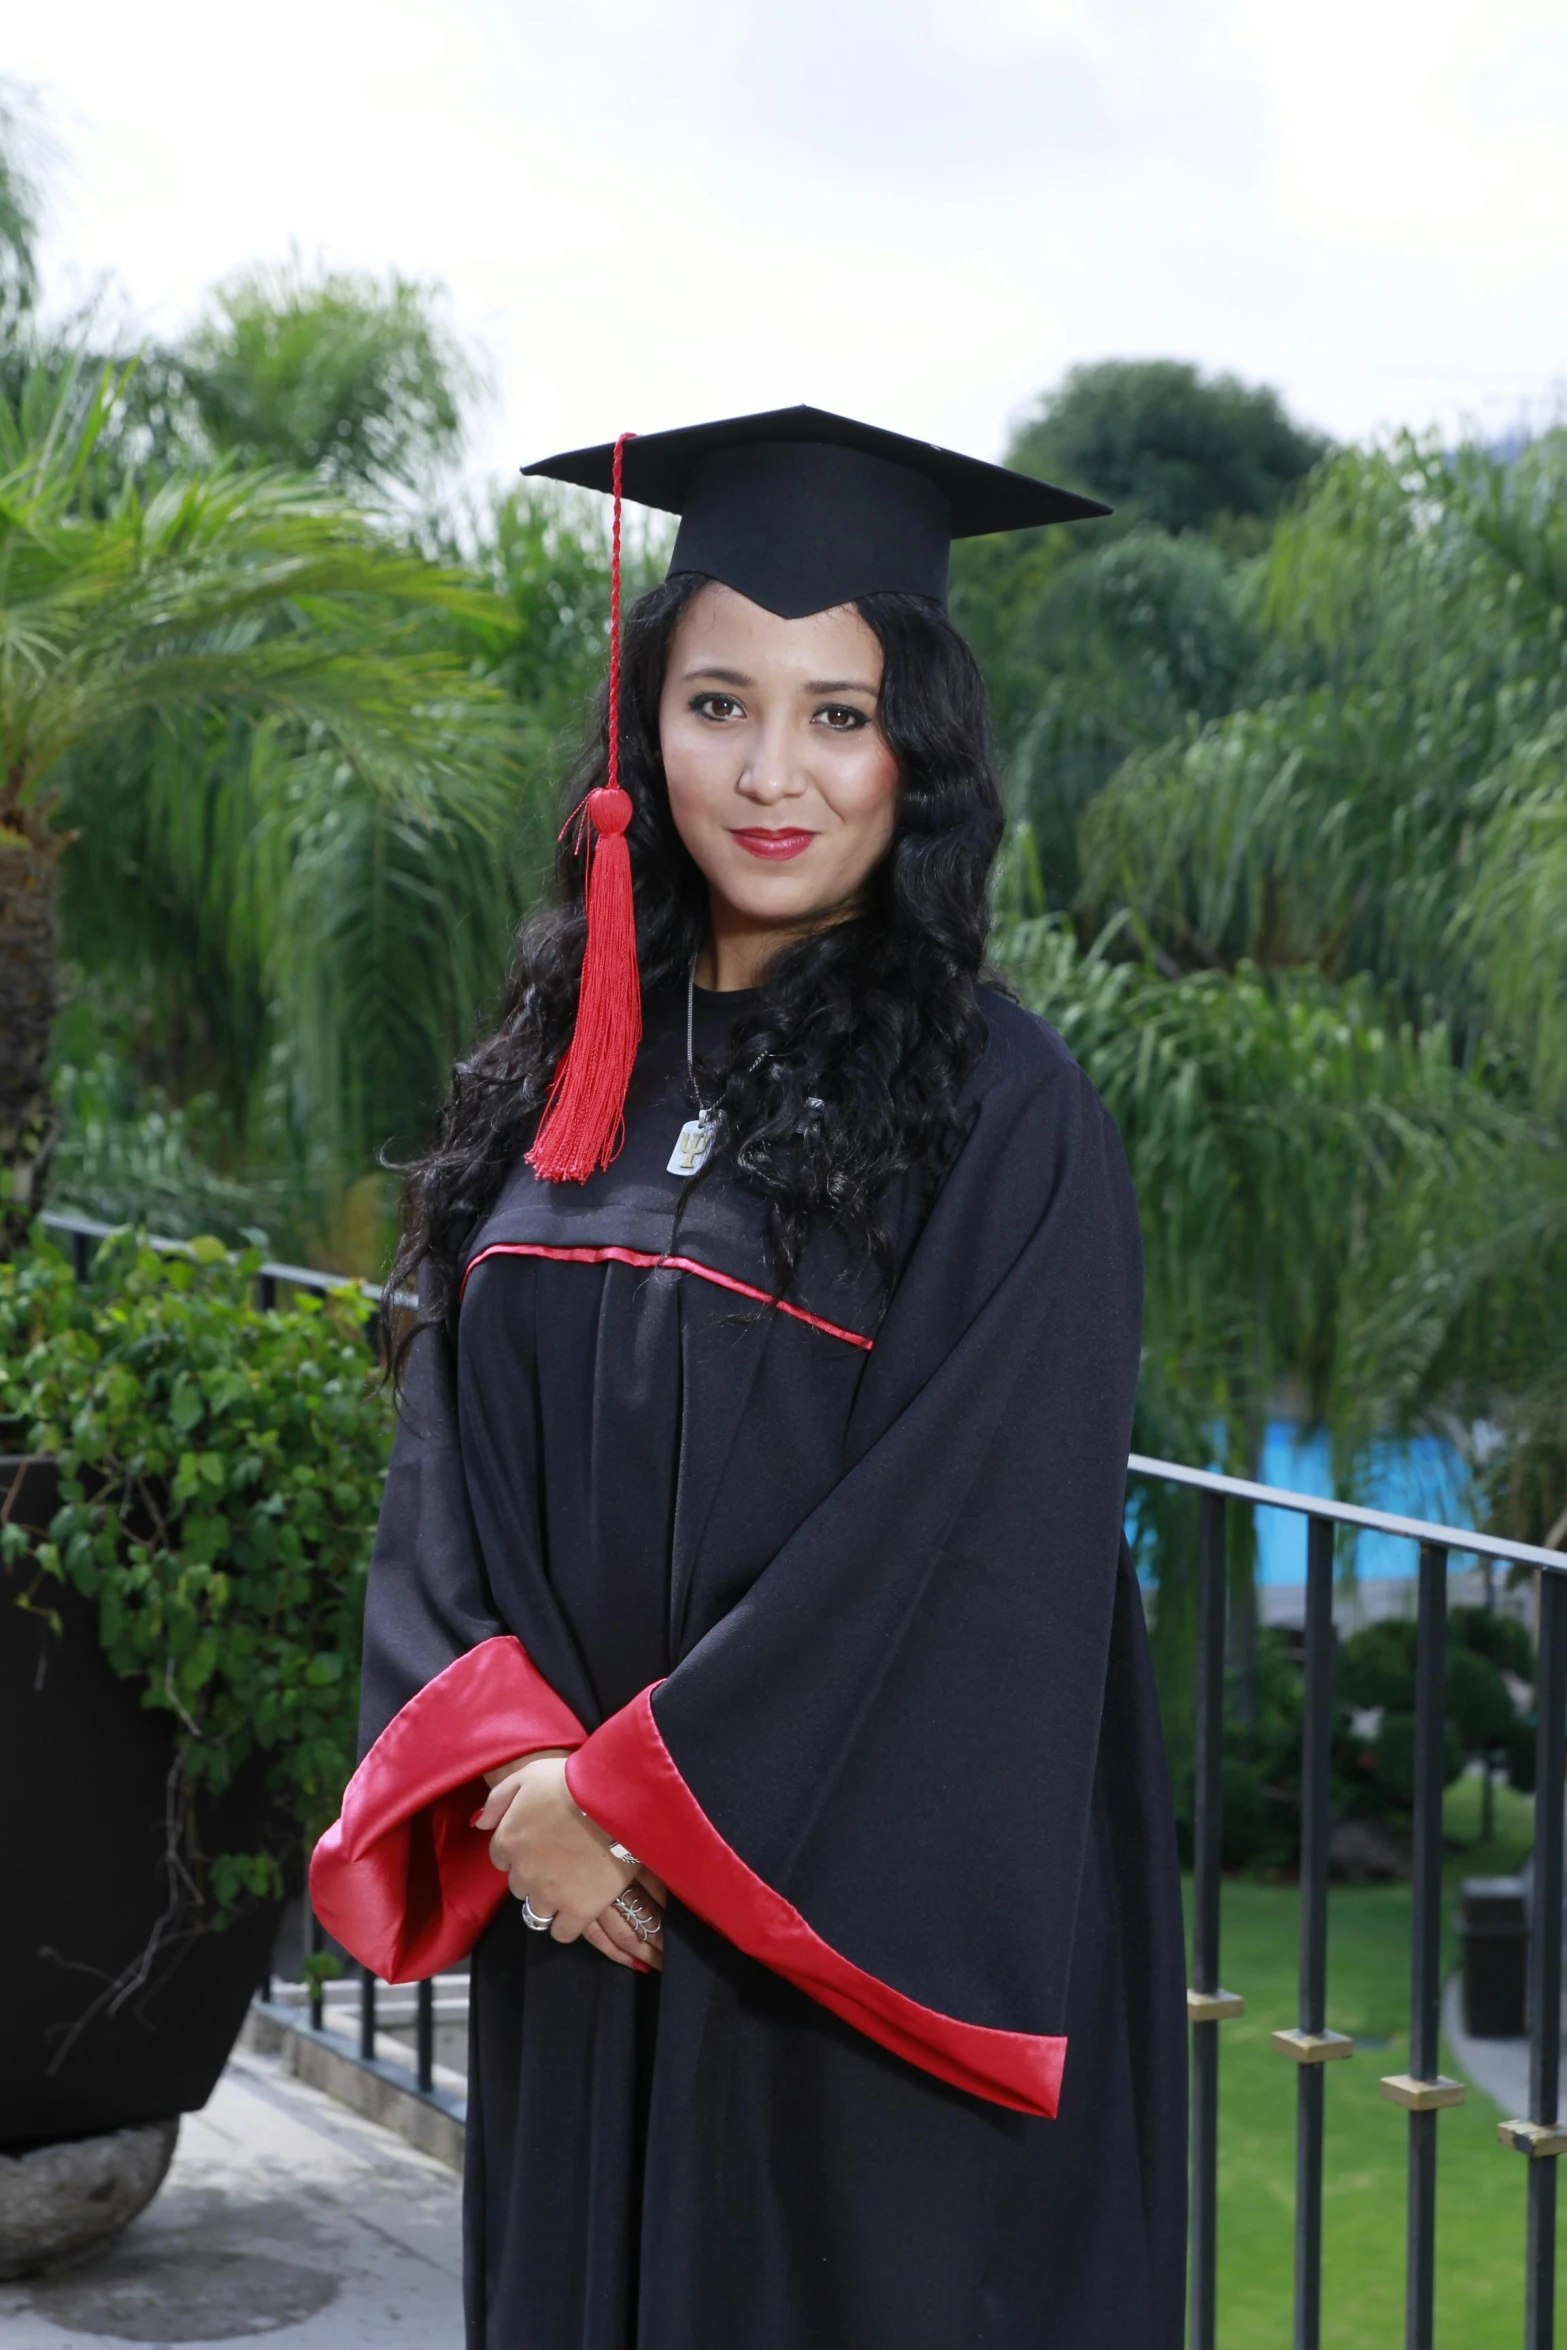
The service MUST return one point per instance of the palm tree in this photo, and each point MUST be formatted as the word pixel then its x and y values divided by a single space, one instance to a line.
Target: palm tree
pixel 1336 946
pixel 227 594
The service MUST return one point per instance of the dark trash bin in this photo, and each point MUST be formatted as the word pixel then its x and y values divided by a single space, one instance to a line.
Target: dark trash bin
pixel 1493 1925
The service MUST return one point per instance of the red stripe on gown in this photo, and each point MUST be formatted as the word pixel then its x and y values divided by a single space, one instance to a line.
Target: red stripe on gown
pixel 625 1777
pixel 402 1878
pixel 613 1254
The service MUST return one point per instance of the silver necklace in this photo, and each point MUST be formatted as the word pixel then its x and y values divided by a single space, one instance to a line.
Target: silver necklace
pixel 694 1143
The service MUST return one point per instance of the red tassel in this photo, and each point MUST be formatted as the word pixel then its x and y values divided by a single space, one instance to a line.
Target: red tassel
pixel 584 1120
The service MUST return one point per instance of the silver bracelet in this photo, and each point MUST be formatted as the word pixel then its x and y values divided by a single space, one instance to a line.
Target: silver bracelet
pixel 620 1852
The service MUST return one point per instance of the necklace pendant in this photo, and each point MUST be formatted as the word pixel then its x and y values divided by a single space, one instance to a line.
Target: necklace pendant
pixel 693 1146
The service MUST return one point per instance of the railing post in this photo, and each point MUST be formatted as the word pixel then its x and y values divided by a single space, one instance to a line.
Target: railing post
pixel 1311 2044
pixel 424 2037
pixel 1545 1959
pixel 367 2015
pixel 1208 1832
pixel 317 1993
pixel 81 1253
pixel 1422 2090
pixel 1488 1776
pixel 266 1290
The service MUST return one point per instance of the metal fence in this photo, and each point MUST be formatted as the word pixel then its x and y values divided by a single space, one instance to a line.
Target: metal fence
pixel 1308 2043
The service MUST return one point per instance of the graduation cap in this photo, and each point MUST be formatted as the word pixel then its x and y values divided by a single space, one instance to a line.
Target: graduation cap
pixel 798 510
pixel 801 510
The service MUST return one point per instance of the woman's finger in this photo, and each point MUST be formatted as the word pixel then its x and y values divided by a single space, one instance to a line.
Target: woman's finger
pixel 601 1941
pixel 496 1805
pixel 655 1885
pixel 650 1952
pixel 623 1930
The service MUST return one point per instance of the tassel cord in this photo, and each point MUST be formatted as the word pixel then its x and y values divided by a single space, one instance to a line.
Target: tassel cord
pixel 583 1124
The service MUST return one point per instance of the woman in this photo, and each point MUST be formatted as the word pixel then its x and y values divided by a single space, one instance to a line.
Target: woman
pixel 750 1598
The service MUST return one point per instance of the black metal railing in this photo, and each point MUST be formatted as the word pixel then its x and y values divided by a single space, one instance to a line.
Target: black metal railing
pixel 83 1235
pixel 1423 2091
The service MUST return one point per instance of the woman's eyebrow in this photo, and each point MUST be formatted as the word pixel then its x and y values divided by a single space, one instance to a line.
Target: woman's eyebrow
pixel 814 685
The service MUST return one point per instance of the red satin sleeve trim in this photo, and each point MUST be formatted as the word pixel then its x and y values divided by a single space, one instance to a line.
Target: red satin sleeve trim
pixel 401 1878
pixel 625 1778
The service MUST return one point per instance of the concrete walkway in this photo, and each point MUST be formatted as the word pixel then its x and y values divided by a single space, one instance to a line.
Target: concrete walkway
pixel 283 2215
pixel 1499 2067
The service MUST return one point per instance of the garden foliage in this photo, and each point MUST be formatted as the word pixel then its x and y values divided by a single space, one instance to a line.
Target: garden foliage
pixel 221 1471
pixel 1488 1720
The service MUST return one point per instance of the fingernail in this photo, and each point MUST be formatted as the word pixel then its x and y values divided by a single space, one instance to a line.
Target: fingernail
pixel 478 1816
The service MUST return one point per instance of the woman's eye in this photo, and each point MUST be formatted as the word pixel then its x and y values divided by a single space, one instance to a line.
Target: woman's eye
pixel 716 706
pixel 843 718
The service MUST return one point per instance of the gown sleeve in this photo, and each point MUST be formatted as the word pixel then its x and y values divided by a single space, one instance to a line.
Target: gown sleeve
pixel 400 1879
pixel 876 1774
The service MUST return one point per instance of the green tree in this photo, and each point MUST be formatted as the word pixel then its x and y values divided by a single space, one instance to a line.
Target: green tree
pixel 343 377
pixel 1381 824
pixel 1391 802
pixel 216 908
pixel 1167 445
pixel 21 209
pixel 232 594
pixel 1107 639
pixel 1092 658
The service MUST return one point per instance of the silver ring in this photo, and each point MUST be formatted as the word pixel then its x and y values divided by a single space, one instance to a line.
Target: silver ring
pixel 531 1917
pixel 641 1921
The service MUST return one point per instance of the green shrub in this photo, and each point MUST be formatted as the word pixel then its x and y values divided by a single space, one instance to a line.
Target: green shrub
pixel 127 1156
pixel 221 1470
pixel 1522 1757
pixel 1372 1769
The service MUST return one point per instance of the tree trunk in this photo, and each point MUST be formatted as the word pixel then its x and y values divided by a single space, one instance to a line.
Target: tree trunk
pixel 29 996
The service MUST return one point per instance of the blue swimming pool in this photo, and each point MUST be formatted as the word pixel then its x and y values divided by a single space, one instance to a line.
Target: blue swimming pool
pixel 1424 1477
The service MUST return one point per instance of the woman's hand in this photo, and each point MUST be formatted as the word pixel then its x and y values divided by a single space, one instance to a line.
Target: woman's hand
pixel 555 1857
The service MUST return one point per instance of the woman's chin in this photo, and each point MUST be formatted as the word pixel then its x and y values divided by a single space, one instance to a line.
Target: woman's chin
pixel 777 897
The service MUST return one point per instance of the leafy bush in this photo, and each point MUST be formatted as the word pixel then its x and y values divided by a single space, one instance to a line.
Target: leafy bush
pixel 1261 1772
pixel 125 1154
pixel 1373 1746
pixel 1374 1767
pixel 220 1470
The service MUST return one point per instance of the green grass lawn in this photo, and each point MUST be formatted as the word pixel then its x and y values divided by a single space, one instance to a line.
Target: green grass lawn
pixel 1480 2193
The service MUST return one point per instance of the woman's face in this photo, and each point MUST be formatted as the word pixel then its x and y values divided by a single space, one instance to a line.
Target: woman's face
pixel 780 781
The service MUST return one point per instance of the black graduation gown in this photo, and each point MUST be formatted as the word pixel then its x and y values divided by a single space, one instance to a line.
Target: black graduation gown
pixel 900 1763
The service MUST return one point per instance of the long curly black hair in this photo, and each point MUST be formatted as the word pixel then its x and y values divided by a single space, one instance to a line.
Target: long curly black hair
pixel 847 1072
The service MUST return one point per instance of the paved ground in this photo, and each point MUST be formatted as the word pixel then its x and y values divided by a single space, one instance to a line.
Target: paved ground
pixel 1499 2067
pixel 283 2215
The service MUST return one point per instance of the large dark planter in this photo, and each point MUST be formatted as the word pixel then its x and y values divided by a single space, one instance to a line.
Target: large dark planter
pixel 103 2024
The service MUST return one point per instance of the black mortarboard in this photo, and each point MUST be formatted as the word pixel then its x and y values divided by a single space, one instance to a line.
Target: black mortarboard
pixel 800 509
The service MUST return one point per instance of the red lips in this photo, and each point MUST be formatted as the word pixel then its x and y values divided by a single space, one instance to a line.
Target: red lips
pixel 767 841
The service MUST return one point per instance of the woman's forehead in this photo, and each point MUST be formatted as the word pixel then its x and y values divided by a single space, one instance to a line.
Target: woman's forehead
pixel 722 628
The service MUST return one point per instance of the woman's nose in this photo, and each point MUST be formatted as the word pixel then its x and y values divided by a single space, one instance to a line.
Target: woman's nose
pixel 771 773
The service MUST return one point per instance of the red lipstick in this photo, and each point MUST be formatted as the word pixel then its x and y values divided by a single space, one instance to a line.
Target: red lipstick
pixel 765 840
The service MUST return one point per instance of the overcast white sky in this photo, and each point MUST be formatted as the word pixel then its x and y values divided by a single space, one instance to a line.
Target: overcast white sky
pixel 920 211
